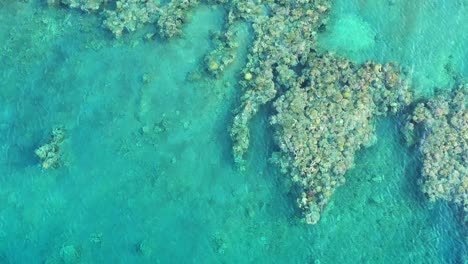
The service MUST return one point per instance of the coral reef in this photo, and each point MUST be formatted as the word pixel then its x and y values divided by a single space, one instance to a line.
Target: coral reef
pixel 173 16
pixel 441 124
pixel 324 104
pixel 130 15
pixel 225 52
pixel 325 117
pixel 85 5
pixel 283 42
pixel 49 153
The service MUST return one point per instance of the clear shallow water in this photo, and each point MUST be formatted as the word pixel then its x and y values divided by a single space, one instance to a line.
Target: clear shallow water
pixel 429 38
pixel 177 190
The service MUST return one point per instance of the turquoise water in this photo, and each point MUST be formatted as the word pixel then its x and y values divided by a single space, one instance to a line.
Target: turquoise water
pixel 149 176
pixel 429 38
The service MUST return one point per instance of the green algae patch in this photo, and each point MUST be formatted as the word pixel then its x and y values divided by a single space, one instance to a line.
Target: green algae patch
pixel 349 35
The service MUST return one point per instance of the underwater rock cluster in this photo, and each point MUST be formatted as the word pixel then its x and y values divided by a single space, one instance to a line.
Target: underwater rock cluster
pixel 49 153
pixel 439 127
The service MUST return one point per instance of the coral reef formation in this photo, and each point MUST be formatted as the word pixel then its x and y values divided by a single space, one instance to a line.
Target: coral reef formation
pixel 324 118
pixel 85 5
pixel 173 16
pixel 49 153
pixel 225 52
pixel 283 41
pixel 441 125
pixel 324 104
pixel 129 15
